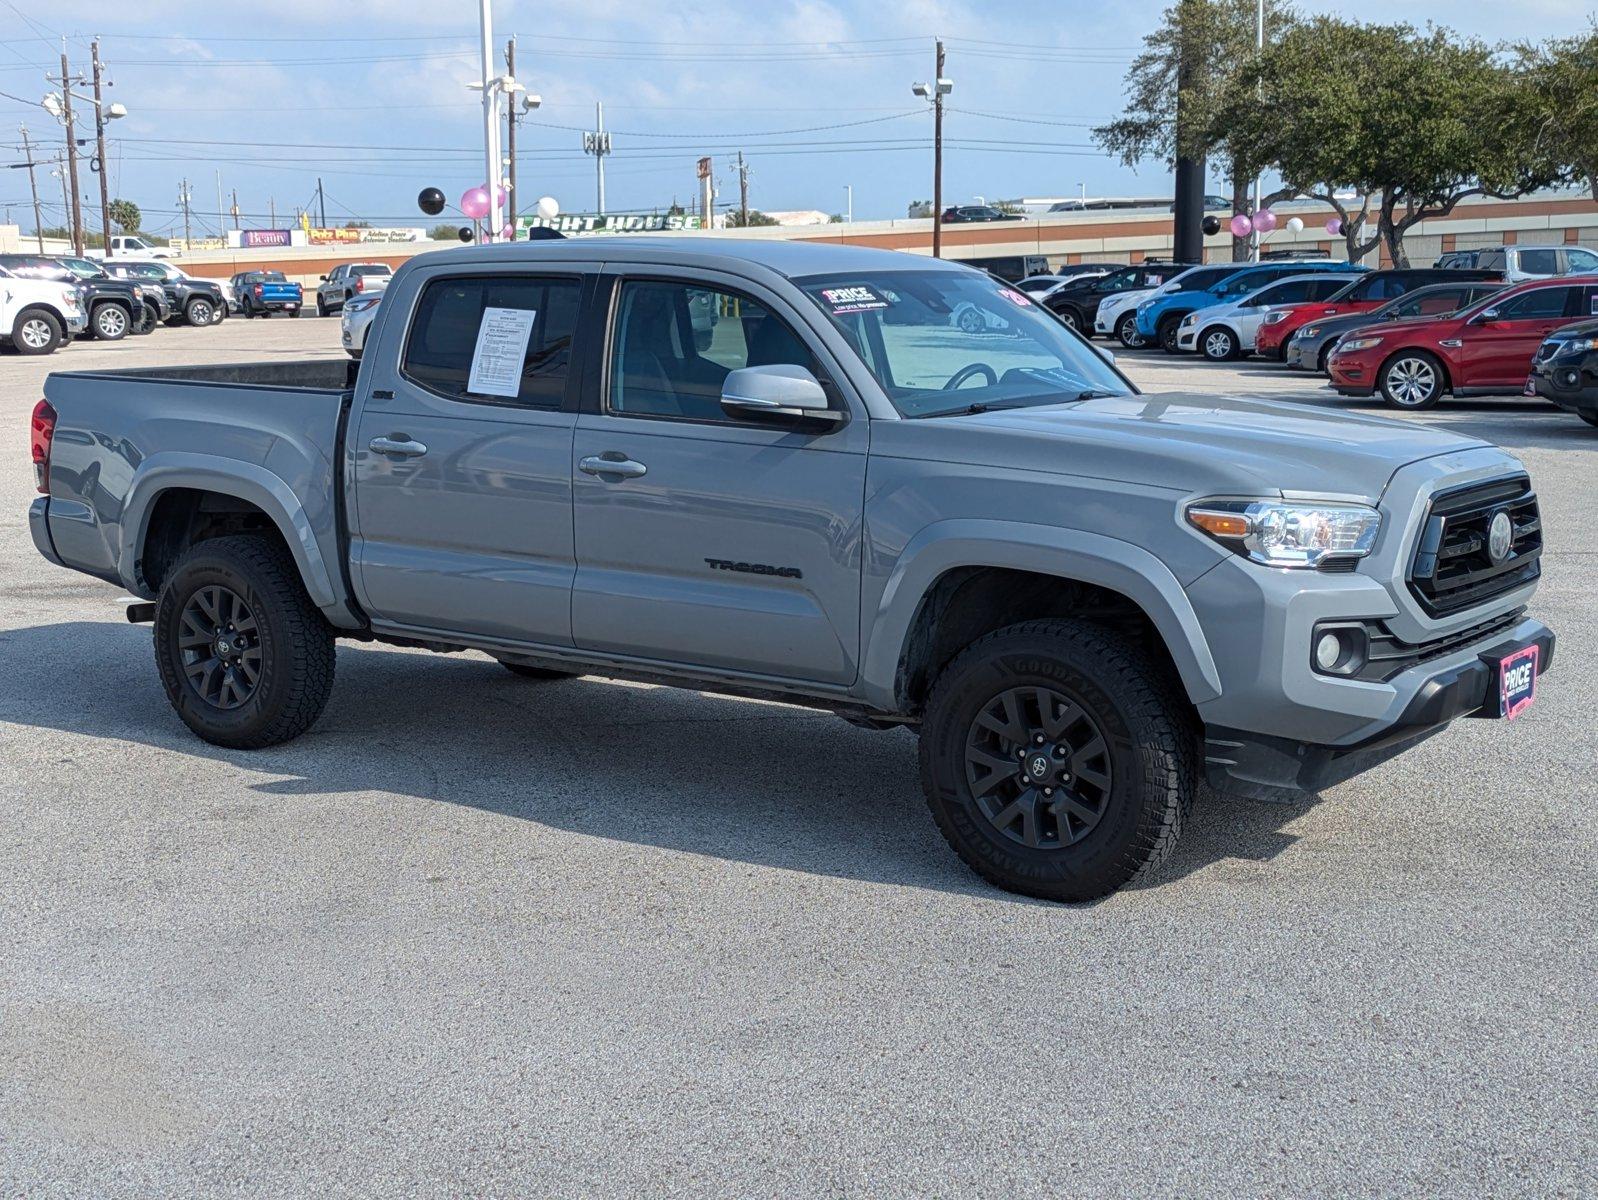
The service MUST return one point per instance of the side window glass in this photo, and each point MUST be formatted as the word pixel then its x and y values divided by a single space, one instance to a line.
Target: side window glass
pixel 1582 261
pixel 1539 262
pixel 443 340
pixel 674 344
pixel 1539 305
pixel 1325 289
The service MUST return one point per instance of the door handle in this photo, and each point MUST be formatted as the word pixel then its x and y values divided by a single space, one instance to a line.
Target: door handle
pixel 612 462
pixel 399 446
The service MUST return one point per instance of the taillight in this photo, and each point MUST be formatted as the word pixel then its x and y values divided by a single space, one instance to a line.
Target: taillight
pixel 43 433
pixel 259 289
pixel 360 283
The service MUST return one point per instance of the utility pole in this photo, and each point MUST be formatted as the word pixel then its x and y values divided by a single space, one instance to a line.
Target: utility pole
pixel 743 192
pixel 493 170
pixel 184 196
pixel 848 195
pixel 33 186
pixel 937 156
pixel 707 214
pixel 99 150
pixel 510 135
pixel 221 217
pixel 60 173
pixel 271 204
pixel 235 208
pixel 597 143
pixel 72 155
pixel 321 202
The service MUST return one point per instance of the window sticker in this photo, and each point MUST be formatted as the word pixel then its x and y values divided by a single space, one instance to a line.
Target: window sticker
pixel 854 299
pixel 1015 297
pixel 1592 302
pixel 501 349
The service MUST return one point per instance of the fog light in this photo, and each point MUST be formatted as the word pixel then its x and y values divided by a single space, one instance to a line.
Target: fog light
pixel 1327 651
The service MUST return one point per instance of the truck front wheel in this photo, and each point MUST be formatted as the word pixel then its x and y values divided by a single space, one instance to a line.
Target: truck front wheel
pixel 245 657
pixel 1057 760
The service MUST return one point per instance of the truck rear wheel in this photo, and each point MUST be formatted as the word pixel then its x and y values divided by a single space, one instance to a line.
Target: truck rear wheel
pixel 1057 760
pixel 245 657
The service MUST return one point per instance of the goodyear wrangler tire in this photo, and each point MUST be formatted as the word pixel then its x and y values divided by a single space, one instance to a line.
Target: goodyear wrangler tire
pixel 1058 761
pixel 245 657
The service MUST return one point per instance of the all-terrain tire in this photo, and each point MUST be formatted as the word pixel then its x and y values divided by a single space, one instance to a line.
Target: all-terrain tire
pixel 1134 707
pixel 294 643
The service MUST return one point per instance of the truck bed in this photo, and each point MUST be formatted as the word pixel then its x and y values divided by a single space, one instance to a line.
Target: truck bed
pixel 265 433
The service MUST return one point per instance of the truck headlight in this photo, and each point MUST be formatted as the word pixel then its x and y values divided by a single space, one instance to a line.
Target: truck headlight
pixel 1585 343
pixel 1286 533
pixel 1360 343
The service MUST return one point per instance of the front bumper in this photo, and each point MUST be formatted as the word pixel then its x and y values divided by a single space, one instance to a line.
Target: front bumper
pixel 1187 338
pixel 77 322
pixel 1258 764
pixel 1301 355
pixel 1351 376
pixel 1570 381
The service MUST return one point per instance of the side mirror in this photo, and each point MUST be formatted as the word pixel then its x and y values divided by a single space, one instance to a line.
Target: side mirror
pixel 1486 315
pixel 322 278
pixel 780 392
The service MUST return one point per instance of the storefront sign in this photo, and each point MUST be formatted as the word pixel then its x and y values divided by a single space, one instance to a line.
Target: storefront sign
pixel 629 223
pixel 266 237
pixel 356 237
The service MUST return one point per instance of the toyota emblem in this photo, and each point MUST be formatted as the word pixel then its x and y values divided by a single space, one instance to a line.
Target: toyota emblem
pixel 1500 535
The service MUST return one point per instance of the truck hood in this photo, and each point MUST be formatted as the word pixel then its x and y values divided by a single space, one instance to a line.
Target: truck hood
pixel 1201 444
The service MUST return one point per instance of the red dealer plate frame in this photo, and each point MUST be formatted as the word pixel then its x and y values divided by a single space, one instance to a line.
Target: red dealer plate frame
pixel 1514 700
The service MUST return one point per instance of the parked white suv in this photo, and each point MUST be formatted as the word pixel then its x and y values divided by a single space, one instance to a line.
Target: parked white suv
pixel 37 315
pixel 1226 331
pixel 1117 314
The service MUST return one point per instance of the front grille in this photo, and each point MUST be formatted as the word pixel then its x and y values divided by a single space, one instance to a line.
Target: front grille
pixel 1453 570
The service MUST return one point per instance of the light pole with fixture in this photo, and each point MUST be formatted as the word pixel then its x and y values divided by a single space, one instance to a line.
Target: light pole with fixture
pixel 59 106
pixel 513 117
pixel 935 92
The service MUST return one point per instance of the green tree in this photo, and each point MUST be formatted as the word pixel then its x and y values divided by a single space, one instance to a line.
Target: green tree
pixel 756 217
pixel 1416 120
pixel 126 214
pixel 1560 118
pixel 445 233
pixel 1194 58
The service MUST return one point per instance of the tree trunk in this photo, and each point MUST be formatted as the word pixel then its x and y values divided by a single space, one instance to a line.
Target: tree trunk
pixel 1240 201
pixel 1392 232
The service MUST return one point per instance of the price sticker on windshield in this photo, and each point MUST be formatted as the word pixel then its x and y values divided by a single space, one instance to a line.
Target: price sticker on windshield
pixel 1014 297
pixel 856 298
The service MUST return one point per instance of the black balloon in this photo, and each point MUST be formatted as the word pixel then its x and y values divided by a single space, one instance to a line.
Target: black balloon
pixel 466 233
pixel 431 201
pixel 1211 226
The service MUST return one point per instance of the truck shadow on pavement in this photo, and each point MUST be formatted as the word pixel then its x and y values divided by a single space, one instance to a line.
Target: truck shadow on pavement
pixel 742 780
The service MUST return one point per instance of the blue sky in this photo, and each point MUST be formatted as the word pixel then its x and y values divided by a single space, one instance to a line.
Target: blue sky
pixel 370 96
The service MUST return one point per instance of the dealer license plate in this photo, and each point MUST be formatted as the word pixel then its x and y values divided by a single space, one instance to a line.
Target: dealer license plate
pixel 1517 681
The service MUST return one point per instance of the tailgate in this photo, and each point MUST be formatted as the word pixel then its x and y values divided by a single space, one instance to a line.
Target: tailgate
pixel 281 292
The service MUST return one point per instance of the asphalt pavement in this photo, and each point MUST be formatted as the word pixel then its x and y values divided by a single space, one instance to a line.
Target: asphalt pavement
pixel 476 935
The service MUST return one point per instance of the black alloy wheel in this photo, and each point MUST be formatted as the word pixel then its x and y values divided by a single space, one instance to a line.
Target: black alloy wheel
pixel 219 645
pixel 1038 767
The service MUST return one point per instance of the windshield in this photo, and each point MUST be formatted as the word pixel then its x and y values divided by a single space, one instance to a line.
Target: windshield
pixel 40 268
pixel 945 342
pixel 83 268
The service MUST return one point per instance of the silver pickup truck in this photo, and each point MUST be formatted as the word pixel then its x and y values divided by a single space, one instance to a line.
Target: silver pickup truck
pixel 840 493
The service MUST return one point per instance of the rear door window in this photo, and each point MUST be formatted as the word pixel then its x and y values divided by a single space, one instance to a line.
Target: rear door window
pixel 1582 262
pixel 442 345
pixel 1539 262
pixel 1539 305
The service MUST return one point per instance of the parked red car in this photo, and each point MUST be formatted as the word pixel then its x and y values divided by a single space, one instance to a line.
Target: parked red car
pixel 1368 292
pixel 1483 349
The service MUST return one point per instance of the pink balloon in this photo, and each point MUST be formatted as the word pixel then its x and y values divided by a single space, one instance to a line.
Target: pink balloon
pixel 504 196
pixel 508 234
pixel 474 203
pixel 1334 226
pixel 1265 220
pixel 1241 226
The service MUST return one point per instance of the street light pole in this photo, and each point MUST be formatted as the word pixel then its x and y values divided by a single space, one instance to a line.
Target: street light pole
pixel 99 150
pixel 490 123
pixel 510 134
pixel 1259 48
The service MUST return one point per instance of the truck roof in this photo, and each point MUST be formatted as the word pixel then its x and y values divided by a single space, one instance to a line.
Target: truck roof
pixel 791 258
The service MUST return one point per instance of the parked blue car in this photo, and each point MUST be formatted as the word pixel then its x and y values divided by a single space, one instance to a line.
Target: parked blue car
pixel 1160 316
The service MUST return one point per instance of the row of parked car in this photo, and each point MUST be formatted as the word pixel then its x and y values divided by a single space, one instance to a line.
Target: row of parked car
pixel 46 301
pixel 1411 335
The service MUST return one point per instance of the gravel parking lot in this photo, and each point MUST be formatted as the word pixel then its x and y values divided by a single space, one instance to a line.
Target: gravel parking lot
pixel 477 935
